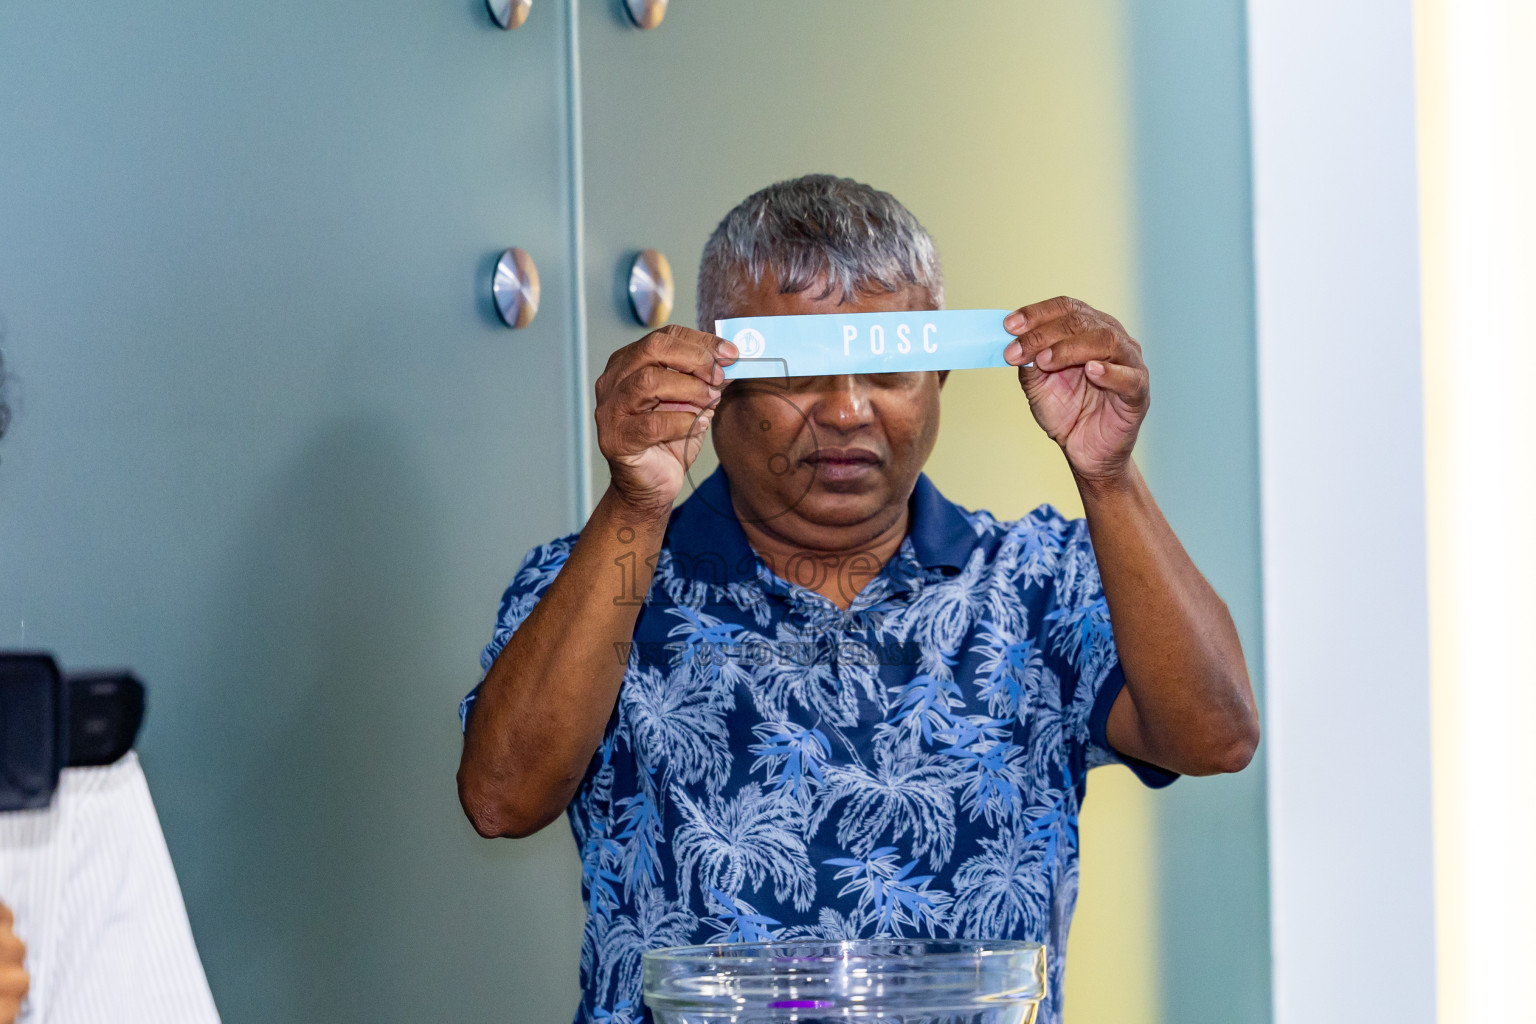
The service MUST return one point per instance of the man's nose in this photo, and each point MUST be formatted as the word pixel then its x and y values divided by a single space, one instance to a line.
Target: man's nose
pixel 843 403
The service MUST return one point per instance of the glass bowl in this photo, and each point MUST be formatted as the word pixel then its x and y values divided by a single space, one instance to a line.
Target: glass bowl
pixel 891 981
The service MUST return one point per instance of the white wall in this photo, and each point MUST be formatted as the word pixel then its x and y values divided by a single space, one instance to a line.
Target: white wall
pixel 1342 474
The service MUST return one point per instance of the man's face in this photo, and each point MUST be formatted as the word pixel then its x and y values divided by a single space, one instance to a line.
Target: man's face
pixel 826 462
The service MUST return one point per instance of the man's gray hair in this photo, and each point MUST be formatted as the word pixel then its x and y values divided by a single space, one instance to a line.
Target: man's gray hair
pixel 817 230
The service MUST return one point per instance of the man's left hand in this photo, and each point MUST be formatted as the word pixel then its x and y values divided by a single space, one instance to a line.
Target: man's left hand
pixel 1088 387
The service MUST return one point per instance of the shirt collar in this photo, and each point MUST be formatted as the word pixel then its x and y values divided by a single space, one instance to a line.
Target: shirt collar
pixel 708 544
pixel 705 538
pixel 942 537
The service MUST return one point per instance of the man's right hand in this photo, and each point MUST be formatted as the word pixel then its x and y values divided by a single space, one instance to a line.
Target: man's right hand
pixel 655 399
pixel 14 981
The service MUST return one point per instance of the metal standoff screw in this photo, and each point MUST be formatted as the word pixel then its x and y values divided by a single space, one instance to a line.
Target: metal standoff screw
pixel 515 288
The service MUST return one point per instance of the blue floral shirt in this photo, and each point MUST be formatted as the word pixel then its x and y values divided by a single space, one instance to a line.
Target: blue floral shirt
pixel 777 767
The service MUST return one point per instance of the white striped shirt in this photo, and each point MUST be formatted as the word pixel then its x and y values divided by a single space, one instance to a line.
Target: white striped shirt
pixel 96 901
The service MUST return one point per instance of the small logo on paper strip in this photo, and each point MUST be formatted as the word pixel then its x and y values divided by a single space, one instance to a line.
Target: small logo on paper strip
pixel 750 342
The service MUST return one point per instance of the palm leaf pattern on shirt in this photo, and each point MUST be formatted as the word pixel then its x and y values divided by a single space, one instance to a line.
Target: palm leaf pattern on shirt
pixel 542 564
pixel 883 618
pixel 745 841
pixel 640 837
pixel 995 773
pixel 707 646
pixel 1010 670
pixel 858 669
pixel 906 793
pixel 1054 827
pixel 677 725
pixel 1033 546
pixel 831 926
pixel 925 704
pixel 656 923
pixel 1045 738
pixel 889 894
pixel 794 757
pixel 802 673
pixel 1082 633
pixel 623 1012
pixel 1002 890
pixel 1077 573
pixel 748 598
pixel 945 610
pixel 600 878
pixel 699 629
pixel 736 920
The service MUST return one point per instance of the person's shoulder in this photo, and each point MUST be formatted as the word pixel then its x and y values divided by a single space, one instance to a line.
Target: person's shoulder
pixel 543 559
pixel 1039 550
pixel 1044 524
pixel 1047 517
pixel 532 578
pixel 1027 549
pixel 557 549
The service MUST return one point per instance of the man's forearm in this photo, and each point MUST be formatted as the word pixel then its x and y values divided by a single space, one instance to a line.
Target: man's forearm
pixel 547 698
pixel 1187 705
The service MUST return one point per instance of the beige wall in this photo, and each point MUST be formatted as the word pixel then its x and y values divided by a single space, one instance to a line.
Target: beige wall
pixel 1079 241
pixel 1477 162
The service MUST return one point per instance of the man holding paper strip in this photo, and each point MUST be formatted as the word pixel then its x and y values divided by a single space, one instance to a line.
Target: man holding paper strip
pixel 817 699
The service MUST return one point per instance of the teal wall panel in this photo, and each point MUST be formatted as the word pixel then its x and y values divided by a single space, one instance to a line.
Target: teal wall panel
pixel 1200 452
pixel 274 452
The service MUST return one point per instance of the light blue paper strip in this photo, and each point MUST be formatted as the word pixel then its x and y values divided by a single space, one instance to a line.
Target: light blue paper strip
pixel 828 343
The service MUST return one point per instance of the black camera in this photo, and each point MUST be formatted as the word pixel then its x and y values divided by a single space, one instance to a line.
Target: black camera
pixel 50 721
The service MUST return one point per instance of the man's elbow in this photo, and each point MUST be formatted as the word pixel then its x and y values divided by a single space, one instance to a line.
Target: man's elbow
pixel 1233 751
pixel 1237 755
pixel 493 816
pixel 1233 736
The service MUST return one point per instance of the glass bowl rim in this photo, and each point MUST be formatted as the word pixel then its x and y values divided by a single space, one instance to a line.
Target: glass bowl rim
pixel 761 952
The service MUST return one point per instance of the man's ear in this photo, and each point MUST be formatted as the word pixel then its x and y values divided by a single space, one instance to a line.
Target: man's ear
pixel 943 376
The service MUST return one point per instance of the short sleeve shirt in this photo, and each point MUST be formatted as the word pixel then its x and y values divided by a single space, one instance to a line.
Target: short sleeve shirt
pixel 778 767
